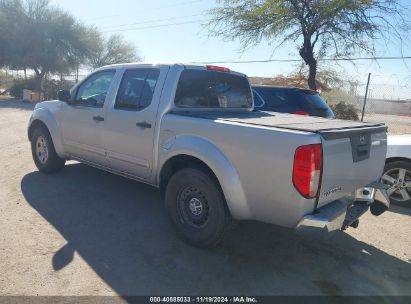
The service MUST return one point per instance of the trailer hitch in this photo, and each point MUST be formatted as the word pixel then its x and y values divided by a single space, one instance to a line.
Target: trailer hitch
pixel 373 197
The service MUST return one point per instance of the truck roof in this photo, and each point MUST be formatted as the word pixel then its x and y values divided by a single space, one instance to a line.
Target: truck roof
pixel 154 64
pixel 140 64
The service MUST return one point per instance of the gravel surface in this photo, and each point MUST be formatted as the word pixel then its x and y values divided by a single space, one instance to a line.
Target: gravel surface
pixel 87 232
pixel 396 124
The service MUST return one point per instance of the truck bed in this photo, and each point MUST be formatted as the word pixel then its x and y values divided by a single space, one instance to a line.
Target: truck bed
pixel 353 152
pixel 326 127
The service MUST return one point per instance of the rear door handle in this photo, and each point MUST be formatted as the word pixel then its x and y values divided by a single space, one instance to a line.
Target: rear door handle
pixel 144 125
pixel 98 118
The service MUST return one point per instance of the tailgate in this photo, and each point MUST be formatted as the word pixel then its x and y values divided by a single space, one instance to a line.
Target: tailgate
pixel 352 158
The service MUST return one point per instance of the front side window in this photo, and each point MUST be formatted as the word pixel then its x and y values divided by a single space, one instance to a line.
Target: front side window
pixel 137 89
pixel 212 89
pixel 93 91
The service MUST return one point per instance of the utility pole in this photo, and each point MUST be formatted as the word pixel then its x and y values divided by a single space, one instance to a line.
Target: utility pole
pixel 77 66
pixel 366 96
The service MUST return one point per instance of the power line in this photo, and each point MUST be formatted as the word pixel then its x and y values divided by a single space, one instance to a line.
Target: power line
pixel 152 21
pixel 173 5
pixel 154 26
pixel 180 3
pixel 104 17
pixel 299 60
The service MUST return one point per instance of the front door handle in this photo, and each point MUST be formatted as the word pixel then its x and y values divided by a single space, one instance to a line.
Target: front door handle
pixel 98 118
pixel 144 125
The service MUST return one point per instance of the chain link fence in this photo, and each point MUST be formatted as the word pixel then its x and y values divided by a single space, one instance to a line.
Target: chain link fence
pixel 390 104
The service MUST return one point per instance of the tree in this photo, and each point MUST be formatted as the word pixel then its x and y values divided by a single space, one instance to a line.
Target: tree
pixel 40 37
pixel 108 51
pixel 336 28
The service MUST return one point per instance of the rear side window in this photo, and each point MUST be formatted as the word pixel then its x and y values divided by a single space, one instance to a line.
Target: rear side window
pixel 258 102
pixel 212 89
pixel 137 89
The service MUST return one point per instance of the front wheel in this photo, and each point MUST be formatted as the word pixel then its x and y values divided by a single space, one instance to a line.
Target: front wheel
pixel 397 175
pixel 44 154
pixel 197 207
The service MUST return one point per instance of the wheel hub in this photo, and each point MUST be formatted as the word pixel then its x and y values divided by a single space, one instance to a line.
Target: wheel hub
pixel 42 150
pixel 196 207
pixel 193 207
pixel 399 180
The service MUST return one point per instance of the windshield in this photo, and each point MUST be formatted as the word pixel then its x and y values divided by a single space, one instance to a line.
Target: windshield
pixel 212 89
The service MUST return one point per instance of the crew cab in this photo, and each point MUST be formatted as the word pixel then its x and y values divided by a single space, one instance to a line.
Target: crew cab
pixel 191 132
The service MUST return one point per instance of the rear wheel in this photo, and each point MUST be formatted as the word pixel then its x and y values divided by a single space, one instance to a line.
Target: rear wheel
pixel 197 207
pixel 397 175
pixel 43 152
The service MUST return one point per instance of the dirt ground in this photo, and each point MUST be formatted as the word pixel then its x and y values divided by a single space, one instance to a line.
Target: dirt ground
pixel 86 232
pixel 396 124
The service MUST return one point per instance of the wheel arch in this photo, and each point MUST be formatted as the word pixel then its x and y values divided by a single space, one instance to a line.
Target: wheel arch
pixel 43 118
pixel 181 161
pixel 394 159
pixel 35 124
pixel 191 151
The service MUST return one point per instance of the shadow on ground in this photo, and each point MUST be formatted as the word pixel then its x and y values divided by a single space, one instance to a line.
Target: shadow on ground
pixel 406 210
pixel 16 104
pixel 119 227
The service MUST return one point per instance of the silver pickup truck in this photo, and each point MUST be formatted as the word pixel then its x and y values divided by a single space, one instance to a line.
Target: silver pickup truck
pixel 191 131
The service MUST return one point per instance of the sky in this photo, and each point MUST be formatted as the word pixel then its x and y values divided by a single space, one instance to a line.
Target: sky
pixel 184 39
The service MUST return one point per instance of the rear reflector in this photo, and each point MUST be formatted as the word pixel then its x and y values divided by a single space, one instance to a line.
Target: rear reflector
pixel 301 113
pixel 217 68
pixel 307 170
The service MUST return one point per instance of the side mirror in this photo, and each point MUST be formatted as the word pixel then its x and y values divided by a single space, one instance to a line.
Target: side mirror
pixel 64 95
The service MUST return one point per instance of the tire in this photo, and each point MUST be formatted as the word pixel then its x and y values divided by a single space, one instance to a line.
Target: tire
pixel 397 174
pixel 44 153
pixel 197 207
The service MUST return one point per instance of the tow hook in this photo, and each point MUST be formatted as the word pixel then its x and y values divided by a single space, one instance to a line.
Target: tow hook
pixel 374 198
pixel 355 224
pixel 353 214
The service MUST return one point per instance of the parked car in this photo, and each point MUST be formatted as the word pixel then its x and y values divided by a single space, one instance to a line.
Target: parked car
pixel 191 131
pixel 291 100
pixel 397 171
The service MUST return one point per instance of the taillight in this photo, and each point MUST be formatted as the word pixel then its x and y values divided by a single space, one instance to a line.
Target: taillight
pixel 301 113
pixel 217 68
pixel 307 169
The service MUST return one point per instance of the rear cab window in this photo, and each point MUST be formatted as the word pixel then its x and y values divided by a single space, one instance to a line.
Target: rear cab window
pixel 213 90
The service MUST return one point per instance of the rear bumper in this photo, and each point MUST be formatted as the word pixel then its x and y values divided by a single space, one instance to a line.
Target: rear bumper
pixel 342 213
pixel 328 218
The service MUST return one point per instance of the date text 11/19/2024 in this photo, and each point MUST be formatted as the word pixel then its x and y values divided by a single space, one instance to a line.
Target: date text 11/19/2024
pixel 203 300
